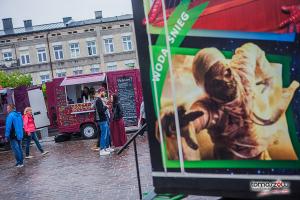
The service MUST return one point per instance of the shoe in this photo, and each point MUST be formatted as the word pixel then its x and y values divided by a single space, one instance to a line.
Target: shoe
pixel 28 157
pixel 20 165
pixel 45 152
pixel 95 149
pixel 104 153
pixel 109 149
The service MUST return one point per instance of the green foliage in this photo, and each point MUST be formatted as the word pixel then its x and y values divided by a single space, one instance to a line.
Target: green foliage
pixel 44 90
pixel 14 79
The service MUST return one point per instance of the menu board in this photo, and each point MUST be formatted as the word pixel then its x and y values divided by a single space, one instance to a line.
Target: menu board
pixel 127 100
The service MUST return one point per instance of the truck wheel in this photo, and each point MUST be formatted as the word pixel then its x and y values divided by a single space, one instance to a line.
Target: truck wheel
pixel 88 131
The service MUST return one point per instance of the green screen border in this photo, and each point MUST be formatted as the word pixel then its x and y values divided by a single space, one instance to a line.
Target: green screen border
pixel 286 62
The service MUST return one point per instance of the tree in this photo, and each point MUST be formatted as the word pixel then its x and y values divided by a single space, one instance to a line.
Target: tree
pixel 14 79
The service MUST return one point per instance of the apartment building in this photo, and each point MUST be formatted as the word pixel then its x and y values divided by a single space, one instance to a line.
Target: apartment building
pixel 69 47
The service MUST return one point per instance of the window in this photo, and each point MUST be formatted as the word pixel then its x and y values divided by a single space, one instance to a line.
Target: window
pixel 7 56
pixel 25 59
pixel 41 53
pixel 3 102
pixel 77 71
pixel 58 52
pixel 127 44
pixel 81 93
pixel 61 73
pixel 111 66
pixel 45 78
pixel 95 68
pixel 109 45
pixel 130 63
pixel 75 51
pixel 91 45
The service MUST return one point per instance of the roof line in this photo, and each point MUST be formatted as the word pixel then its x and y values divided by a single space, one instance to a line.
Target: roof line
pixel 61 25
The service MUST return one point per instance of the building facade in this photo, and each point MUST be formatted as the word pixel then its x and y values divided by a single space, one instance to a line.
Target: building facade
pixel 68 48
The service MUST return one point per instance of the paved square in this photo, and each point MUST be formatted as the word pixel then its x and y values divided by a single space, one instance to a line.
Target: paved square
pixel 73 171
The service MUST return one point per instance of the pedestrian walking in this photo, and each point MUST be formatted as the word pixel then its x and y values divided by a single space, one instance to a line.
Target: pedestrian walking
pixel 14 132
pixel 30 132
pixel 117 126
pixel 102 121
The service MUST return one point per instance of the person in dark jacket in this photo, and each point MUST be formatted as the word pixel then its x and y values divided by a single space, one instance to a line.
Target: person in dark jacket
pixel 14 132
pixel 96 147
pixel 102 122
pixel 117 127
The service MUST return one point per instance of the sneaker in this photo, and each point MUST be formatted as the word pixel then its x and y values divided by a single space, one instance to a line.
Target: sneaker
pixel 95 149
pixel 109 149
pixel 20 165
pixel 104 153
pixel 28 157
pixel 45 152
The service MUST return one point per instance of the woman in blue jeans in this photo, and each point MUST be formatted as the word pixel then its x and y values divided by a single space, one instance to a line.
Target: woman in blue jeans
pixel 30 130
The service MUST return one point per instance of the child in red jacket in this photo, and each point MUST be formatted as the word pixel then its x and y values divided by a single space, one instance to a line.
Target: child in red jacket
pixel 30 131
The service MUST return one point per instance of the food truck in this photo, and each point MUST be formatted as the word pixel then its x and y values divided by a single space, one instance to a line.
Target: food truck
pixel 23 97
pixel 71 111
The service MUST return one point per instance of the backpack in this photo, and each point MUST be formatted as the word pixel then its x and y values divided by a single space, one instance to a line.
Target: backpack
pixel 12 134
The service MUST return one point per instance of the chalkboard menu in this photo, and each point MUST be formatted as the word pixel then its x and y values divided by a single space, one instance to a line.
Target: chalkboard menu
pixel 127 100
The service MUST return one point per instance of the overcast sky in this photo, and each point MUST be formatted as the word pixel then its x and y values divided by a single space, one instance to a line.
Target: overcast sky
pixel 49 11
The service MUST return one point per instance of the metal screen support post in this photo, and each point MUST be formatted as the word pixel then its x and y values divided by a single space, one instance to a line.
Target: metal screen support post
pixel 137 168
pixel 132 139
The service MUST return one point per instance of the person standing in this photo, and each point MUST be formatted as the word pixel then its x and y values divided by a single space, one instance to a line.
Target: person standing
pixel 97 119
pixel 107 113
pixel 30 131
pixel 117 126
pixel 142 118
pixel 102 122
pixel 14 132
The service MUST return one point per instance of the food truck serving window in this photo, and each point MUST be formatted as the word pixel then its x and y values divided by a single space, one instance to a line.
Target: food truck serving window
pixel 82 93
pixel 81 89
pixel 3 101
